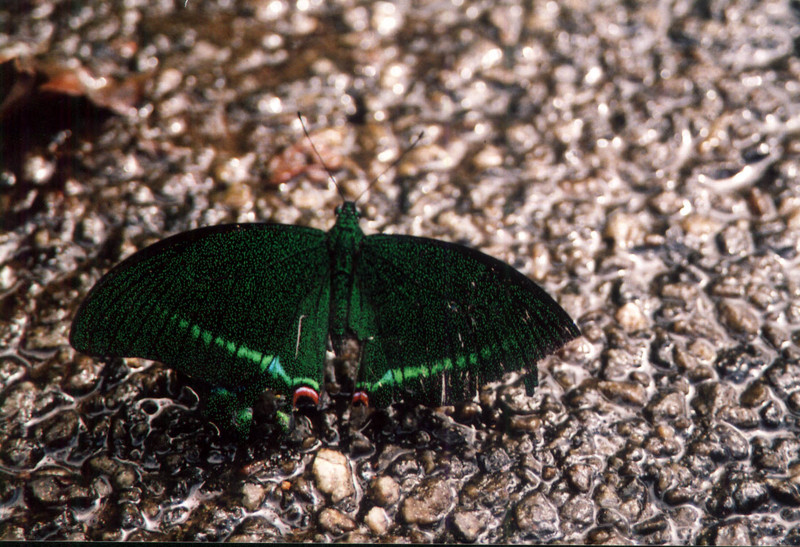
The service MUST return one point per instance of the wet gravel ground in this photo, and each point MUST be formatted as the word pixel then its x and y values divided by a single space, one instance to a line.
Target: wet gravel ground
pixel 639 160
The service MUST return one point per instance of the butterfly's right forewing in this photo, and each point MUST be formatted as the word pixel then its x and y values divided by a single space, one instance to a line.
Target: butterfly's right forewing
pixel 439 319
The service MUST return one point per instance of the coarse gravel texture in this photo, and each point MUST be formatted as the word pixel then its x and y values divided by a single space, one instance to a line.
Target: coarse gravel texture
pixel 639 160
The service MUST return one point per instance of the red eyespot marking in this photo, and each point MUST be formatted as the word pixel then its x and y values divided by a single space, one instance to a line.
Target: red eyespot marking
pixel 305 392
pixel 360 398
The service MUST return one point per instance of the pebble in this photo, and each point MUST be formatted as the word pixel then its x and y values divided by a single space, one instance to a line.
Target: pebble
pixel 739 317
pixel 332 474
pixel 61 429
pixel 579 476
pixel 578 511
pixel 793 401
pixel 530 424
pixel 613 518
pixel 377 520
pixel 488 157
pixel 738 492
pixel 721 443
pixel 21 453
pixel 634 495
pixel 605 496
pixel 736 240
pixel 712 396
pixel 786 492
pixel 84 377
pixel 630 393
pixel 776 335
pixel 585 396
pixel 625 230
pixel 631 318
pixel 19 402
pixel 769 456
pixel 755 395
pixel 335 522
pixel 496 460
pixel 357 537
pixel 124 477
pixel 700 225
pixel 618 364
pixel 130 517
pixel 730 532
pixel 652 525
pixel 536 517
pixel 429 502
pixel 674 483
pixel 667 203
pixel 743 418
pixel 385 491
pixel 666 406
pixel 254 529
pixel 470 524
pixel 46 491
pixel 783 377
pixel 663 442
pixel 490 490
pixel 253 495
pixel 604 535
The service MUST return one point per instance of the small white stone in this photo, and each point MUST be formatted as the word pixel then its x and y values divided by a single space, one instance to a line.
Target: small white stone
pixel 378 521
pixel 488 157
pixel 252 495
pixel 385 491
pixel 631 318
pixel 38 170
pixel 168 82
pixel 625 230
pixel 332 474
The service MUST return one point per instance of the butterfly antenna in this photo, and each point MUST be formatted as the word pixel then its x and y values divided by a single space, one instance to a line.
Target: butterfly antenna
pixel 399 158
pixel 319 156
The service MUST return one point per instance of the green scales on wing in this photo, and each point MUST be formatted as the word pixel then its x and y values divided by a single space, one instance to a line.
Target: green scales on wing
pixel 249 307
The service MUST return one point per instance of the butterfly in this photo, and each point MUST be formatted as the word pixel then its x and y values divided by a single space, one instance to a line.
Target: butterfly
pixel 249 307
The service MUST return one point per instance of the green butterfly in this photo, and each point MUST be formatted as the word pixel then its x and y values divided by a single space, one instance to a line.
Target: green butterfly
pixel 249 307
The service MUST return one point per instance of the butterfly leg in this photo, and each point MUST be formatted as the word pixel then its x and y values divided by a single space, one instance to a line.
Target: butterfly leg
pixel 531 380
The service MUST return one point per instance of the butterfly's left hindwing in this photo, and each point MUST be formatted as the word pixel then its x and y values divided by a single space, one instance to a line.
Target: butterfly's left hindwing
pixel 235 305
pixel 438 319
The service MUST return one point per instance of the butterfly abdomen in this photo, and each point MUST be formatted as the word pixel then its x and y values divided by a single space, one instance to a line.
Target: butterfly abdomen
pixel 343 241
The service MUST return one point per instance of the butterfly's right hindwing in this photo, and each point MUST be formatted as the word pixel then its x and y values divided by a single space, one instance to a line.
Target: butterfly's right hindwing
pixel 230 305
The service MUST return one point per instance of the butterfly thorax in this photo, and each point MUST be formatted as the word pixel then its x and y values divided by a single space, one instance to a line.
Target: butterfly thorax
pixel 344 240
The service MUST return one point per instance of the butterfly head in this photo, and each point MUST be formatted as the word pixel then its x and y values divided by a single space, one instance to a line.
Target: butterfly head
pixel 348 211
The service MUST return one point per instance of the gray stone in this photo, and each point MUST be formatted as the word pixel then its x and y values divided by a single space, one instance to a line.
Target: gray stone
pixel 537 518
pixel 469 524
pixel 429 502
pixel 335 522
pixel 739 317
pixel 580 477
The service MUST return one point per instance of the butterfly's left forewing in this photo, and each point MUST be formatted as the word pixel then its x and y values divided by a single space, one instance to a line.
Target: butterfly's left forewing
pixel 233 305
pixel 439 319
